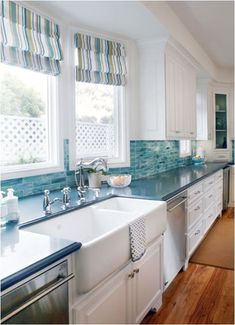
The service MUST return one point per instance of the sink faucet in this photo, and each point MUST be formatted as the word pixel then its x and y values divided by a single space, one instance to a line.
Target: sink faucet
pixel 81 165
pixel 47 202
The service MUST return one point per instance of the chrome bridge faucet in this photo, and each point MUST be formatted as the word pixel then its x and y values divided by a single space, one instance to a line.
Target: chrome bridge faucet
pixel 81 166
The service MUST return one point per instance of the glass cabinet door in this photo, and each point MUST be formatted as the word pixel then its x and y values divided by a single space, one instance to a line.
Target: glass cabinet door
pixel 221 134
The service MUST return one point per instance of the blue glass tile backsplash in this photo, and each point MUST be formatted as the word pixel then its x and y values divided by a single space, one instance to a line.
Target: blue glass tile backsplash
pixel 147 158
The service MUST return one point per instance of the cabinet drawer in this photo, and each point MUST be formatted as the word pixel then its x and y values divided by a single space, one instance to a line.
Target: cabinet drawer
pixel 209 199
pixel 194 237
pixel 219 188
pixel 194 212
pixel 208 183
pixel 218 175
pixel 209 218
pixel 195 192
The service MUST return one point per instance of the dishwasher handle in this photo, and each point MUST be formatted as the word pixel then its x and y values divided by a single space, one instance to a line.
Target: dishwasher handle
pixel 184 199
pixel 61 280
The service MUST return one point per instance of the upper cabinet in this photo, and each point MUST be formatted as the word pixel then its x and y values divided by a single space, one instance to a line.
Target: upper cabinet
pixel 204 107
pixel 167 93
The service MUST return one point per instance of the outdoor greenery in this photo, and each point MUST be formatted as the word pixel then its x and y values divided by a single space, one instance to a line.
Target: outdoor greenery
pixel 94 103
pixel 16 98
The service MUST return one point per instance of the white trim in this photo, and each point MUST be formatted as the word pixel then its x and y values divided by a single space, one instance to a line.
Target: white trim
pixel 55 161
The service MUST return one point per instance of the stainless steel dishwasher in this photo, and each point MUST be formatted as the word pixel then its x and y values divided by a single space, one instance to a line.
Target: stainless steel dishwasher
pixel 42 300
pixel 174 237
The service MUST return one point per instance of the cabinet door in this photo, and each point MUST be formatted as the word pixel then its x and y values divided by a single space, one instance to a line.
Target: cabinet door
pixel 171 91
pixel 189 104
pixel 148 281
pixel 111 304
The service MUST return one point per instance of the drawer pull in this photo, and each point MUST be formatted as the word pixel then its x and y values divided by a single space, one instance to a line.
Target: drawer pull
pixel 210 196
pixel 197 192
pixel 197 208
pixel 136 270
pixel 197 232
pixel 210 183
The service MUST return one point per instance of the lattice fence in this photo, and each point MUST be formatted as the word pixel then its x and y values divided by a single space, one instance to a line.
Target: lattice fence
pixel 24 139
pixel 94 139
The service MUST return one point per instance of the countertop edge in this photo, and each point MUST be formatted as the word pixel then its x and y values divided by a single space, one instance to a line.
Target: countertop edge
pixel 39 265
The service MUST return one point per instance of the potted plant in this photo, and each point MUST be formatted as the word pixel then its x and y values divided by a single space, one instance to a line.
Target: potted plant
pixel 95 177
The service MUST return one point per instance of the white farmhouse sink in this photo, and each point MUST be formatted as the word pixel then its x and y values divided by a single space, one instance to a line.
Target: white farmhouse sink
pixel 153 211
pixel 104 233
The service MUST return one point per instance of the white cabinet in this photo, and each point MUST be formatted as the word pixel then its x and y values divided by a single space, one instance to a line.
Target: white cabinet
pixel 109 304
pixel 204 205
pixel 167 93
pixel 148 282
pixel 180 97
pixel 127 296
pixel 204 108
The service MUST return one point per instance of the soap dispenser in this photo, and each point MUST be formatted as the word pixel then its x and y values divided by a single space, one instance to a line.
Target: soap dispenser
pixel 4 210
pixel 12 206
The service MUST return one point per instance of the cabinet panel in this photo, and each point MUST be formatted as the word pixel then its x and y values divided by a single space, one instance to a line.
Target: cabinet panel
pixel 194 237
pixel 110 304
pixel 148 281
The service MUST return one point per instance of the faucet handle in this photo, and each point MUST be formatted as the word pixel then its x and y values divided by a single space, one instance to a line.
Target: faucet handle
pixel 46 192
pixel 66 190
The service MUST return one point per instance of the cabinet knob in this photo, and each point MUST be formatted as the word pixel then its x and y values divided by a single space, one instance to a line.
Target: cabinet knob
pixel 131 275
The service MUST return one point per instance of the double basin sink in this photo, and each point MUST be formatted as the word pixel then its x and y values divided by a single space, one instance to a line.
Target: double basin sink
pixel 103 230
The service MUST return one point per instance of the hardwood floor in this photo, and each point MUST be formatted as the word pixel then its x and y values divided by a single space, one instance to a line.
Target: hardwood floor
pixel 201 295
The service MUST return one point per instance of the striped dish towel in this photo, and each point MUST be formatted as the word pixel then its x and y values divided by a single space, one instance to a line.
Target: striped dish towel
pixel 137 238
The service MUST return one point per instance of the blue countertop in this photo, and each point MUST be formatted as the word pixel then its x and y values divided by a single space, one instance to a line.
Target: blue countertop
pixel 23 253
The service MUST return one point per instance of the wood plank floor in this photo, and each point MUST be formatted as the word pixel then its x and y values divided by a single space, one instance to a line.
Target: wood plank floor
pixel 201 295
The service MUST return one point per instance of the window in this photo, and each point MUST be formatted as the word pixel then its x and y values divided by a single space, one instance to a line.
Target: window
pixel 98 108
pixel 28 139
pixel 101 115
pixel 185 148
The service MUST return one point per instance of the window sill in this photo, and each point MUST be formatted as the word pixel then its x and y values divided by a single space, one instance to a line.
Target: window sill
pixel 40 169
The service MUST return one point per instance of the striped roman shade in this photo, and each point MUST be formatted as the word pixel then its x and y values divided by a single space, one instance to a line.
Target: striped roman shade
pixel 29 40
pixel 100 61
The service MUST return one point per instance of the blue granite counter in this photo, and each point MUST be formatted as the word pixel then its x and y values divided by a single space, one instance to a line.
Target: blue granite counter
pixel 23 253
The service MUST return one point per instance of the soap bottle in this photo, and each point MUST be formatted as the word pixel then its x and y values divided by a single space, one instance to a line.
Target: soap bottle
pixel 12 206
pixel 4 210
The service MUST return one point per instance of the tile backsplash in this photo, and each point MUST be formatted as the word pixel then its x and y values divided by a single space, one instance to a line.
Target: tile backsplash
pixel 146 158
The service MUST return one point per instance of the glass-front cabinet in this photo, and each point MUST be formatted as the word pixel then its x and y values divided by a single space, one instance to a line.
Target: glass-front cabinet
pixel 221 121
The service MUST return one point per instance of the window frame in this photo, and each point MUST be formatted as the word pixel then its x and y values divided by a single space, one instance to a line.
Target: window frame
pixel 185 152
pixel 123 159
pixel 55 154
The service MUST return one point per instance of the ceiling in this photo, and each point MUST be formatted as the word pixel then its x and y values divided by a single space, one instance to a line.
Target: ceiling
pixel 212 25
pixel 125 18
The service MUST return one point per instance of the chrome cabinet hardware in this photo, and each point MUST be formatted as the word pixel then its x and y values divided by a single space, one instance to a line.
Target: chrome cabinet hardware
pixel 210 196
pixel 197 208
pixel 197 232
pixel 197 192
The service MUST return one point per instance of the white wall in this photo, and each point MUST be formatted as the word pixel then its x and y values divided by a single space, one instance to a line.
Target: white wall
pixel 178 31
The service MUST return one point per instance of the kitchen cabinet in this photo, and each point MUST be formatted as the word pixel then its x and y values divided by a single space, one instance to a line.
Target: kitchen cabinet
pixel 204 108
pixel 204 205
pixel 108 304
pixel 127 296
pixel 167 92
pixel 148 282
